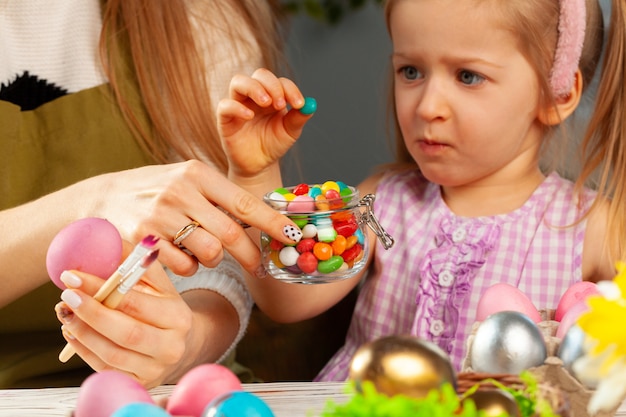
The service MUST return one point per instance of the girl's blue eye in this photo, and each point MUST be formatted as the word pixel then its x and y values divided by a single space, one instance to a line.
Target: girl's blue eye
pixel 410 73
pixel 469 78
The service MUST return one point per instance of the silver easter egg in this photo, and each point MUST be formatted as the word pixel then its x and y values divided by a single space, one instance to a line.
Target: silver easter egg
pixel 571 347
pixel 507 342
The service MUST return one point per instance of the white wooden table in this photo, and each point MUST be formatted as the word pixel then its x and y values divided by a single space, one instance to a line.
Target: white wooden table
pixel 286 399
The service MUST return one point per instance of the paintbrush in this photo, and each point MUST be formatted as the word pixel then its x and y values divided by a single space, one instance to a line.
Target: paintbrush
pixel 130 279
pixel 140 250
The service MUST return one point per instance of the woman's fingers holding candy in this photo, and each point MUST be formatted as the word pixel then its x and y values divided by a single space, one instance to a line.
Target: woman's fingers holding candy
pixel 210 220
pixel 249 210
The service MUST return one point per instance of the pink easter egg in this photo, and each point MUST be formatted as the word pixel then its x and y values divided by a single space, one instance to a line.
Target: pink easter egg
pixel 90 245
pixel 570 317
pixel 198 387
pixel 505 297
pixel 301 204
pixel 574 294
pixel 102 393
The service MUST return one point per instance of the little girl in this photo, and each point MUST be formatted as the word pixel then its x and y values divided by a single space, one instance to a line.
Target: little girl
pixel 480 88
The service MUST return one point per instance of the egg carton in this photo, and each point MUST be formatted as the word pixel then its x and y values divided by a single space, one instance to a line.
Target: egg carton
pixel 552 372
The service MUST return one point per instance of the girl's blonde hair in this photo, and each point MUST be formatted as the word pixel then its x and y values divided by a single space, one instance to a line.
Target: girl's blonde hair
pixel 168 46
pixel 603 153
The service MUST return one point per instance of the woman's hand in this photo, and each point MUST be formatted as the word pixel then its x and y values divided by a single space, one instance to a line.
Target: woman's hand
pixel 158 200
pixel 255 123
pixel 161 200
pixel 153 335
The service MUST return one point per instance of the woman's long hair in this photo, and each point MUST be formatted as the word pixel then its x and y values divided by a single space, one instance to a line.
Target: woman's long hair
pixel 169 49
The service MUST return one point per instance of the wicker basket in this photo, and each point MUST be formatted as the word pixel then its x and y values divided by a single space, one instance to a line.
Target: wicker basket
pixel 557 399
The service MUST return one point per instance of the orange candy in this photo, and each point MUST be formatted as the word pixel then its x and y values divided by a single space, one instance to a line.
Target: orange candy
pixel 339 245
pixel 322 251
pixel 321 203
pixel 351 241
pixel 342 216
pixel 274 258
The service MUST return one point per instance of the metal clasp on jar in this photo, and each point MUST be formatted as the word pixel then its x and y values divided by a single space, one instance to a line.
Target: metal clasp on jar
pixel 368 217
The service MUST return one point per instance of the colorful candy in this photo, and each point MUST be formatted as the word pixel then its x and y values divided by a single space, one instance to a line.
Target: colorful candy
pixel 331 241
pixel 310 106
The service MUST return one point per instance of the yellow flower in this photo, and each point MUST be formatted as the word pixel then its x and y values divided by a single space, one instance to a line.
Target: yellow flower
pixel 605 343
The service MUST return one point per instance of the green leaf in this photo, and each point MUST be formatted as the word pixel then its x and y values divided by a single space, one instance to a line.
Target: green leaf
pixel 438 403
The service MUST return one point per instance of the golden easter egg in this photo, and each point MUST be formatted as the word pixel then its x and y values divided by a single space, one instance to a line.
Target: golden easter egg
pixel 402 365
pixel 495 403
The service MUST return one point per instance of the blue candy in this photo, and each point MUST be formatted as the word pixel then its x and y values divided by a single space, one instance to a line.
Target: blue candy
pixel 342 185
pixel 238 404
pixel 140 410
pixel 360 236
pixel 310 106
pixel 315 191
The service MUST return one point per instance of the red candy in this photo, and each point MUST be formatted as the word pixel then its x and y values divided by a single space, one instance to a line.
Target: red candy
pixel 307 262
pixel 305 245
pixel 351 254
pixel 276 245
pixel 301 189
pixel 346 228
pixel 334 199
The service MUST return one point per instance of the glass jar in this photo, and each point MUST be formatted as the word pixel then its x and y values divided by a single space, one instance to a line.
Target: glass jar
pixel 334 244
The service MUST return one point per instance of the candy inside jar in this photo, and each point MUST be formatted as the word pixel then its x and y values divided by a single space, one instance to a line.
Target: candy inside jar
pixel 334 244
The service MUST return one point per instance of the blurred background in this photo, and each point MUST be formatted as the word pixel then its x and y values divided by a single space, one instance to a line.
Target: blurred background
pixel 344 67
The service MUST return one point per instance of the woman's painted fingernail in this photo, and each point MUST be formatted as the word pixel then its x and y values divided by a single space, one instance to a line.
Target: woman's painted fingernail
pixel 71 298
pixel 70 279
pixel 260 272
pixel 67 333
pixel 65 313
pixel 292 232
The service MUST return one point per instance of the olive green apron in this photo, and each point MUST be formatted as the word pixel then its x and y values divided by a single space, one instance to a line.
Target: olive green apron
pixel 74 137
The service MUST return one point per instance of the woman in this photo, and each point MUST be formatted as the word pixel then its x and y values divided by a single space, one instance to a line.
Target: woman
pixel 107 110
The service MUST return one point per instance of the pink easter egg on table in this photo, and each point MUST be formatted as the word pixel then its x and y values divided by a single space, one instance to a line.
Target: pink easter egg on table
pixel 505 297
pixel 102 393
pixel 301 204
pixel 570 317
pixel 198 387
pixel 90 245
pixel 574 294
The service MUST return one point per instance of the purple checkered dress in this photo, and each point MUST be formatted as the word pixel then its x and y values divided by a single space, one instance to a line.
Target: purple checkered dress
pixel 430 282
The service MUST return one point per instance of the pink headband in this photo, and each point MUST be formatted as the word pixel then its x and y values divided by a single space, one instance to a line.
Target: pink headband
pixel 569 46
